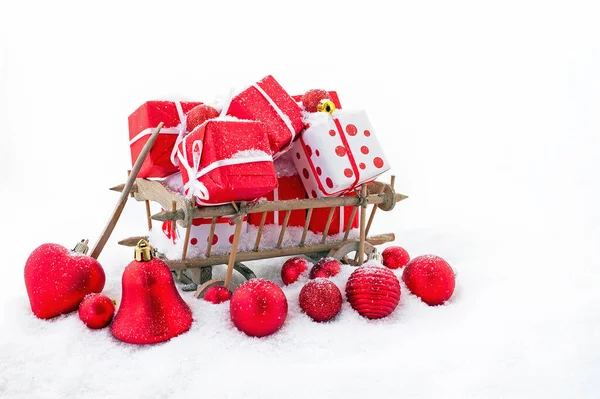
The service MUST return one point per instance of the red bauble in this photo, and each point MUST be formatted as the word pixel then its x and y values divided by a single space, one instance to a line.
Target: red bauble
pixel 258 307
pixel 430 278
pixel 325 268
pixel 96 310
pixel 320 299
pixel 199 114
pixel 217 294
pixel 293 268
pixel 58 279
pixel 373 291
pixel 151 308
pixel 395 257
pixel 311 99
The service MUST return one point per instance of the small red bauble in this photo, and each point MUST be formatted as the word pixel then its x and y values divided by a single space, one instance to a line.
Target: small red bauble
pixel 373 291
pixel 325 268
pixel 292 269
pixel 151 308
pixel 57 279
pixel 311 99
pixel 430 278
pixel 320 299
pixel 395 257
pixel 258 307
pixel 96 310
pixel 199 114
pixel 217 294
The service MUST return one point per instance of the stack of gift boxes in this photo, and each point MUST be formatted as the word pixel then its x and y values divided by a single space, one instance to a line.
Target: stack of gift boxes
pixel 263 143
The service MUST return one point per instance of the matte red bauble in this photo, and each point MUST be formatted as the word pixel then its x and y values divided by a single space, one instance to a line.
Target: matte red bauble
pixel 58 279
pixel 217 294
pixel 430 278
pixel 293 268
pixel 325 268
pixel 96 310
pixel 258 307
pixel 395 257
pixel 320 299
pixel 151 308
pixel 373 291
pixel 199 114
pixel 311 99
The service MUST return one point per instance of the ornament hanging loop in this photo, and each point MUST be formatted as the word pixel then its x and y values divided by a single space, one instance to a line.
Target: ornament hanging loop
pixel 143 251
pixel 326 106
pixel 81 247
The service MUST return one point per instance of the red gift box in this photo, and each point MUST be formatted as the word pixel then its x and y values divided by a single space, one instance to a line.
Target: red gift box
pixel 290 187
pixel 266 101
pixel 332 96
pixel 142 123
pixel 341 216
pixel 226 160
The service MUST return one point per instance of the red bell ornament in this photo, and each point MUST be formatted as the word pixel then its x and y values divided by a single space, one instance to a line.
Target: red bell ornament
pixel 151 308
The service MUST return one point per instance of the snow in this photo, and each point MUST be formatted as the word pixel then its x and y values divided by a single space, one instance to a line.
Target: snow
pixel 488 113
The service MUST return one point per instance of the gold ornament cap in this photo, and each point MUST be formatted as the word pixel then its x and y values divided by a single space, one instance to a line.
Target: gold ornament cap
pixel 82 247
pixel 143 251
pixel 326 105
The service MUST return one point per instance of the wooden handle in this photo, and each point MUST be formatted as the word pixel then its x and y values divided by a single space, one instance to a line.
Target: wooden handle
pixel 112 222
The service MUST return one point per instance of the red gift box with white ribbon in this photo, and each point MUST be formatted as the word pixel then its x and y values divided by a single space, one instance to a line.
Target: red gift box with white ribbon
pixel 144 120
pixel 268 102
pixel 226 160
pixel 337 153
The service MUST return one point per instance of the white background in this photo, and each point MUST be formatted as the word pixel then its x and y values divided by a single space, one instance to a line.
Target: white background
pixel 489 111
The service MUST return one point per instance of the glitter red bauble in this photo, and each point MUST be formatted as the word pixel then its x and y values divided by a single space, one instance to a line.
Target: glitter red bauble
pixel 373 291
pixel 430 278
pixel 320 299
pixel 293 268
pixel 395 257
pixel 151 308
pixel 217 294
pixel 58 279
pixel 96 310
pixel 311 99
pixel 258 307
pixel 325 268
pixel 199 114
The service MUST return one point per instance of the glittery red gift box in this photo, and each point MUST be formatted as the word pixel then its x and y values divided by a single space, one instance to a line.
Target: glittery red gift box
pixel 142 123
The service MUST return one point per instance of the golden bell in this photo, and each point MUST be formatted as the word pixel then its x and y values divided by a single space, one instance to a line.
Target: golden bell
pixel 143 251
pixel 326 106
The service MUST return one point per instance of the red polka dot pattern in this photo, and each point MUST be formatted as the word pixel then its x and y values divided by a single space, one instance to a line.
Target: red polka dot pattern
pixel 378 162
pixel 329 182
pixel 364 149
pixel 340 151
pixel 351 130
pixel 194 241
pixel 367 133
pixel 231 239
pixel 319 171
pixel 308 151
pixel 305 173
pixel 197 222
pixel 298 155
pixel 317 153
pixel 314 194
pixel 215 239
pixel 348 172
pixel 332 132
pixel 362 165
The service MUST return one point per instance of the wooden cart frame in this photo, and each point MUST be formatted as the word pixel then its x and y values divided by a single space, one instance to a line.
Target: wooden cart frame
pixel 182 211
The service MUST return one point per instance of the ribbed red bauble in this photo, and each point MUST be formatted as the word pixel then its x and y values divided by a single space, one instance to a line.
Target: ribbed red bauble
pixel 58 279
pixel 258 307
pixel 320 299
pixel 430 278
pixel 395 257
pixel 311 99
pixel 293 268
pixel 199 114
pixel 217 294
pixel 325 268
pixel 373 291
pixel 96 310
pixel 151 308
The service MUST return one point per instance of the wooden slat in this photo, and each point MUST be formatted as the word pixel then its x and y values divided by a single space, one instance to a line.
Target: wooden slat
pixel 286 219
pixel 363 225
pixel 132 241
pixel 232 255
pixel 306 223
pixel 186 241
pixel 260 230
pixel 328 224
pixel 349 223
pixel 211 234
pixel 270 253
pixel 148 215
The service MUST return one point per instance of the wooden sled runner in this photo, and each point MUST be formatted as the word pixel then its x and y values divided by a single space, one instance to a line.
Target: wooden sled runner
pixel 197 272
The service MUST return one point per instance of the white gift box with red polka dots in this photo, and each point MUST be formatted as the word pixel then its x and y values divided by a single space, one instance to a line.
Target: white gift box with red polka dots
pixel 337 153
pixel 222 238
